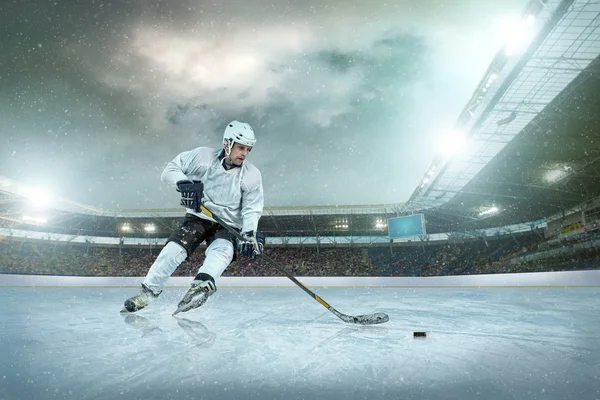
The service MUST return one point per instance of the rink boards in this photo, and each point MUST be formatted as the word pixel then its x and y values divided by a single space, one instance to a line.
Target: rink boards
pixel 520 280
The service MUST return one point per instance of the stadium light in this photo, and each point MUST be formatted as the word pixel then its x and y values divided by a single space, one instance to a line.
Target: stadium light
pixel 558 173
pixel 126 227
pixel 37 220
pixel 518 35
pixel 38 197
pixel 490 81
pixel 150 228
pixel 452 142
pixel 489 211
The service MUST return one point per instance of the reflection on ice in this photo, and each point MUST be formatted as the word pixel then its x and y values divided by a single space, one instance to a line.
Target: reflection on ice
pixel 141 323
pixel 200 335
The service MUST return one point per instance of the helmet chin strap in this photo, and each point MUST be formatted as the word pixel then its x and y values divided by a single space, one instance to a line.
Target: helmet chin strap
pixel 227 147
pixel 227 161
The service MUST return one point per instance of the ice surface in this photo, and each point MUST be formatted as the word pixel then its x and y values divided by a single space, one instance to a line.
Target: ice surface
pixel 72 343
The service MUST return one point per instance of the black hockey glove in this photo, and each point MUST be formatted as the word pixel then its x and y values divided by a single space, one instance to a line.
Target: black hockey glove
pixel 254 244
pixel 191 194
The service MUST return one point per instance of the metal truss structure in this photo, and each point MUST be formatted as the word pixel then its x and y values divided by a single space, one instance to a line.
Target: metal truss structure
pixel 514 91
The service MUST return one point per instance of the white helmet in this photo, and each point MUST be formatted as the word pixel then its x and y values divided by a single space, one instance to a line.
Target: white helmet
pixel 238 132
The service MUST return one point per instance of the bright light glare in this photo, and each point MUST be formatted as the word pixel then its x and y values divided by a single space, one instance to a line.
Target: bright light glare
pixel 149 228
pixel 557 174
pixel 38 220
pixel 452 142
pixel 38 197
pixel 491 210
pixel 518 35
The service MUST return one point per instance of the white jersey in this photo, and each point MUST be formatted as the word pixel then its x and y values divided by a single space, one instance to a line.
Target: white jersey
pixel 235 195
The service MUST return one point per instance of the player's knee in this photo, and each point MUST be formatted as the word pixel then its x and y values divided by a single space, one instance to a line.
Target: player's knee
pixel 222 248
pixel 175 250
pixel 176 245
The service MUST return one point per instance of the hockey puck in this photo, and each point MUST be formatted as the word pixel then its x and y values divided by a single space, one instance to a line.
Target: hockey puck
pixel 419 334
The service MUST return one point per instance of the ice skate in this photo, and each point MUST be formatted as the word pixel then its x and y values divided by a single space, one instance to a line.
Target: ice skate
pixel 200 290
pixel 139 301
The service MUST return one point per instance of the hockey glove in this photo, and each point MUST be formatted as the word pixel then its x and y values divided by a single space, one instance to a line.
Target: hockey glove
pixel 254 244
pixel 191 194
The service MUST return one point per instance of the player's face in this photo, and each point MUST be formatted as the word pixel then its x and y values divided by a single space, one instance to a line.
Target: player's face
pixel 239 152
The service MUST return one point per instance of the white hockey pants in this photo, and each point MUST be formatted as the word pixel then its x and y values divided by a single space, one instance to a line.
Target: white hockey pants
pixel 218 256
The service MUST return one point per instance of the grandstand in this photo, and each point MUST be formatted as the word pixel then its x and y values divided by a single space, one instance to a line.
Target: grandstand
pixel 531 175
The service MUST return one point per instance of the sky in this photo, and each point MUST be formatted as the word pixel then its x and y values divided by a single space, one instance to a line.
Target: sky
pixel 348 98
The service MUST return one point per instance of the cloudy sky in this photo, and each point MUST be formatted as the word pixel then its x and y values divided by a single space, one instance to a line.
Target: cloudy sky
pixel 348 98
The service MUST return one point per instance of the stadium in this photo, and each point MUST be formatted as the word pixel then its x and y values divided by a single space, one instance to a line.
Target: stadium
pixel 514 203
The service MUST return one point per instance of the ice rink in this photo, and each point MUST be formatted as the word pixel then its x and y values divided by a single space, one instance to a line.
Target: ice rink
pixel 279 343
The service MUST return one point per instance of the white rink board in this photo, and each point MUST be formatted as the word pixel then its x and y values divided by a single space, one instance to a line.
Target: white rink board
pixel 534 279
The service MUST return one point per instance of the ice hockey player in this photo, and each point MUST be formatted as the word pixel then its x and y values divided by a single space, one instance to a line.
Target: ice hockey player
pixel 230 187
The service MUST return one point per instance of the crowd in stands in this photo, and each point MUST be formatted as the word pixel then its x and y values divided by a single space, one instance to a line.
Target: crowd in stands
pixel 507 254
pixel 81 260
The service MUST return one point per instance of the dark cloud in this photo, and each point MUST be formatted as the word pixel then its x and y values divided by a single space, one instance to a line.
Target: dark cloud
pixel 346 97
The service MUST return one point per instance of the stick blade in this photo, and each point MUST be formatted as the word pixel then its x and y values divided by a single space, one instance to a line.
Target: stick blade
pixel 370 319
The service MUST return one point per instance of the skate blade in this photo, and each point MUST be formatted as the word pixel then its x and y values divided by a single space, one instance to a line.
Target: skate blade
pixel 179 310
pixel 184 308
pixel 125 311
pixel 196 302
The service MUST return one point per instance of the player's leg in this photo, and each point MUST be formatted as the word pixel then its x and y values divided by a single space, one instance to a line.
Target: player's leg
pixel 180 245
pixel 219 254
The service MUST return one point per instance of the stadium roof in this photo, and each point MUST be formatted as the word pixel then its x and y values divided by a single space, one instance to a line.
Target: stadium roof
pixel 553 165
pixel 515 90
pixel 532 126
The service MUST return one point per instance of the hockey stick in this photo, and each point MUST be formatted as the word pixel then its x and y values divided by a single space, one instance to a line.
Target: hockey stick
pixel 369 319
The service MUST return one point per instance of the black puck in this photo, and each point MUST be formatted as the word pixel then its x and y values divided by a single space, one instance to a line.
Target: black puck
pixel 419 334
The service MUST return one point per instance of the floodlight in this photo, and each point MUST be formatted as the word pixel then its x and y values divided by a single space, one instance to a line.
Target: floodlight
pixel 37 220
pixel 518 35
pixel 452 142
pixel 150 228
pixel 38 197
pixel 489 211
pixel 556 174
